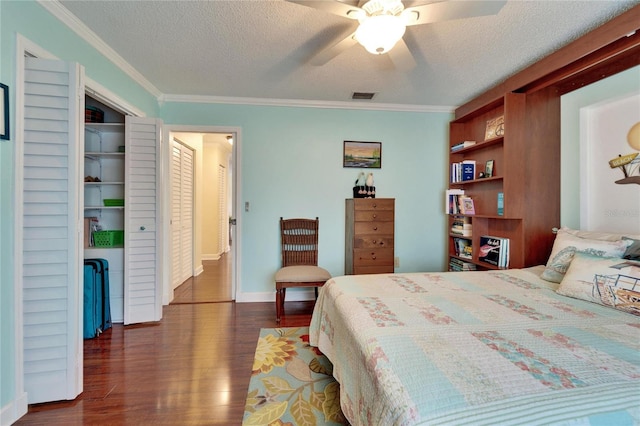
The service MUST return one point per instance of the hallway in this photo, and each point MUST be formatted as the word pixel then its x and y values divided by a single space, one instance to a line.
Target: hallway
pixel 211 286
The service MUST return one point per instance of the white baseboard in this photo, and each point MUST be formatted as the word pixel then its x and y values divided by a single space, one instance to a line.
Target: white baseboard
pixel 14 410
pixel 198 270
pixel 293 295
pixel 211 256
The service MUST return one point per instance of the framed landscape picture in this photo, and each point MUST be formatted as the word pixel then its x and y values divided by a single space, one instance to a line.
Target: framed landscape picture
pixel 363 155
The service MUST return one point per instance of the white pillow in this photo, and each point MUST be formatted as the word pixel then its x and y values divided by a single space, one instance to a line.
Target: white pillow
pixel 565 246
pixel 604 280
pixel 596 235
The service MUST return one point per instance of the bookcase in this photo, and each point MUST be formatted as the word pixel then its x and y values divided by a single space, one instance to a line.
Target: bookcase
pixel 525 175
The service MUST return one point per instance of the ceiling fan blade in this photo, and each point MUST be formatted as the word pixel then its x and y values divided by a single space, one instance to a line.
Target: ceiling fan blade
pixel 329 53
pixel 449 10
pixel 336 7
pixel 401 56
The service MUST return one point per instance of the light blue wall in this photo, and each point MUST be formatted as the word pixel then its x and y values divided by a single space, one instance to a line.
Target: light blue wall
pixel 292 167
pixel 610 88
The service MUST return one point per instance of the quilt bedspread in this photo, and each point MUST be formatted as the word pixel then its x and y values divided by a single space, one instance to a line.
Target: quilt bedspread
pixel 490 347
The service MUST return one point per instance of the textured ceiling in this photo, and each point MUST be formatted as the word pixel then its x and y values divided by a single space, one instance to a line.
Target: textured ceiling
pixel 262 49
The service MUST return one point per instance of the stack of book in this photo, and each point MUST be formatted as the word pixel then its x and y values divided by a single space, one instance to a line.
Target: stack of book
pixel 494 250
pixel 461 226
pixel 463 171
pixel 460 265
pixel 462 145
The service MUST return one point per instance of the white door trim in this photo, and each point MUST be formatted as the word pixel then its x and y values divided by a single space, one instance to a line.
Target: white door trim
pixel 236 185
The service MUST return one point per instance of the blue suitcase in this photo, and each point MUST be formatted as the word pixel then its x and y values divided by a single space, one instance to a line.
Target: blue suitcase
pixel 97 307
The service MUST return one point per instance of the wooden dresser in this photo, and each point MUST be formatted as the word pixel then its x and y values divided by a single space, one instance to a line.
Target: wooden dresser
pixel 369 234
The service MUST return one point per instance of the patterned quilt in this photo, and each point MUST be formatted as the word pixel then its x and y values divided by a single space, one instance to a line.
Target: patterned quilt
pixel 490 347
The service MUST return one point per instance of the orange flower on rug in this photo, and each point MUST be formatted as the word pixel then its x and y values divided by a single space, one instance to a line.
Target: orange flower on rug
pixel 291 382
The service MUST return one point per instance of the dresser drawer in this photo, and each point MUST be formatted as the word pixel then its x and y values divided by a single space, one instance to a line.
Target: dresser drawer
pixel 373 204
pixel 373 256
pixel 373 215
pixel 373 228
pixel 376 269
pixel 372 241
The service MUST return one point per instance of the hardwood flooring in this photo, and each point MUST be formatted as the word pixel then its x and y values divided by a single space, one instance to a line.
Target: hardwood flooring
pixel 191 368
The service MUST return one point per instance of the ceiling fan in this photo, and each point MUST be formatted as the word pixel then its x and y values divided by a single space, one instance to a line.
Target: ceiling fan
pixel 382 23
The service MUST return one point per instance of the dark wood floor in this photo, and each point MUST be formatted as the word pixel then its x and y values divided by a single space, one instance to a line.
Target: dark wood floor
pixel 191 368
pixel 214 285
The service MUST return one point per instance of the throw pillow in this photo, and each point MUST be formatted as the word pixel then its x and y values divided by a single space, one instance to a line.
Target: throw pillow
pixel 599 235
pixel 633 251
pixel 607 281
pixel 566 244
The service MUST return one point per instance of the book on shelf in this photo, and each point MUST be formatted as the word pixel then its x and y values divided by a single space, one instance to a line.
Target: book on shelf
pixel 465 204
pixel 468 170
pixel 500 203
pixel 451 200
pixel 461 226
pixel 463 247
pixel 494 250
pixel 461 265
pixel 462 145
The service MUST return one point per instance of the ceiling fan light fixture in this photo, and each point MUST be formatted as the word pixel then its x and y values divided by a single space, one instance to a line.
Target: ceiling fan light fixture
pixel 378 34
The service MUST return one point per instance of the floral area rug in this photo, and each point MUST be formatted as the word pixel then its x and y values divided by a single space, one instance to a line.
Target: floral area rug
pixel 291 382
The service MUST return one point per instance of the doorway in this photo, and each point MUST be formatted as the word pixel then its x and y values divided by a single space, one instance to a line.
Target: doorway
pixel 208 241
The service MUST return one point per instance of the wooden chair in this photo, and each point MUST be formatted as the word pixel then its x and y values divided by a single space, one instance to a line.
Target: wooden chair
pixel 299 245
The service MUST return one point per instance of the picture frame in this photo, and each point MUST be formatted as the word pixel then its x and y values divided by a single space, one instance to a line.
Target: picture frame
pixel 488 169
pixel 4 111
pixel 362 155
pixel 495 128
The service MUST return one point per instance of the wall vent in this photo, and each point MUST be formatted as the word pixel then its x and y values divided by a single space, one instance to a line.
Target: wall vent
pixel 359 96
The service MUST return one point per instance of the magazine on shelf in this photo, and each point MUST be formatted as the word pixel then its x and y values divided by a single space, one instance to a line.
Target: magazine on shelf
pixel 465 204
pixel 494 250
pixel 463 247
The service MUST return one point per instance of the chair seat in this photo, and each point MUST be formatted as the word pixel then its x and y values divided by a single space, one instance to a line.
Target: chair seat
pixel 302 273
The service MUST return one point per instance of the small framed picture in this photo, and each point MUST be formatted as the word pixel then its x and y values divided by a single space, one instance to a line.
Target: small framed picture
pixel 4 111
pixel 488 169
pixel 365 155
pixel 495 128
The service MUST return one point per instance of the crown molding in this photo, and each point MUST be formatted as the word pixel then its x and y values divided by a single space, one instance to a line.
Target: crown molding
pixel 70 20
pixel 303 103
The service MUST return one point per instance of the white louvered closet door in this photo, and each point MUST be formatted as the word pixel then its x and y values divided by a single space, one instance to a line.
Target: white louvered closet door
pixel 142 289
pixel 186 213
pixel 51 230
pixel 182 185
pixel 176 223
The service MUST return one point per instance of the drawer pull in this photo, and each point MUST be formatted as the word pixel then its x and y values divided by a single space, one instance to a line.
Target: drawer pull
pixel 375 228
pixel 375 216
pixel 374 242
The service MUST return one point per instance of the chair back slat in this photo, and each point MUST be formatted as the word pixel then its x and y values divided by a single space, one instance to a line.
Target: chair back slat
pixel 299 239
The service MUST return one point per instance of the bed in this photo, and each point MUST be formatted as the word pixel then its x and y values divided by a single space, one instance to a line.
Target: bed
pixel 486 347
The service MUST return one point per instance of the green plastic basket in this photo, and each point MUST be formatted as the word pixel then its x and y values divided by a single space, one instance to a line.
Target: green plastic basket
pixel 113 202
pixel 108 238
